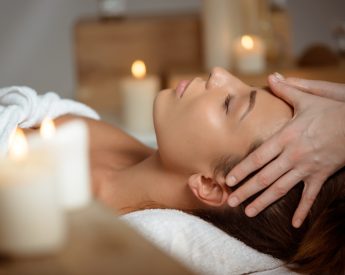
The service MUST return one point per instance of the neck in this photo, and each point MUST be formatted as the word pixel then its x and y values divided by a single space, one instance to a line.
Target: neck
pixel 148 184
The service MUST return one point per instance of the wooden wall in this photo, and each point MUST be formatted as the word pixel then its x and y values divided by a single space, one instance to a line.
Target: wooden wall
pixel 105 50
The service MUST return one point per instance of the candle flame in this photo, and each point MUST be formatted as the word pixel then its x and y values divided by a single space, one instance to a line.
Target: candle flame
pixel 247 42
pixel 18 145
pixel 47 129
pixel 138 69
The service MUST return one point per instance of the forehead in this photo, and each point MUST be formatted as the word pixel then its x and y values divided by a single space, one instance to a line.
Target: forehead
pixel 269 115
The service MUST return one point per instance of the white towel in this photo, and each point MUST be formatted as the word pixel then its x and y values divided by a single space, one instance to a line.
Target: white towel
pixel 200 245
pixel 23 107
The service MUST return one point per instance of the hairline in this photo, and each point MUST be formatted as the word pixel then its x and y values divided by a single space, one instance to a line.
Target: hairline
pixel 225 163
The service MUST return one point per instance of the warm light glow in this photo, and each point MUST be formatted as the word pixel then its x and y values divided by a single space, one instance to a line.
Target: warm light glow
pixel 47 129
pixel 18 145
pixel 138 69
pixel 247 42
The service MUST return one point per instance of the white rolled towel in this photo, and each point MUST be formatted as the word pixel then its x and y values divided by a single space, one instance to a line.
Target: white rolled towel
pixel 200 245
pixel 21 106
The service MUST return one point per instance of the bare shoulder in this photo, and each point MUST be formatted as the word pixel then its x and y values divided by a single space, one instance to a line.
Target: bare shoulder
pixel 110 139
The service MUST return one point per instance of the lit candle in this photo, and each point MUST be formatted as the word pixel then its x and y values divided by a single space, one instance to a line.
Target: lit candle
pixel 138 93
pixel 31 219
pixel 70 146
pixel 249 51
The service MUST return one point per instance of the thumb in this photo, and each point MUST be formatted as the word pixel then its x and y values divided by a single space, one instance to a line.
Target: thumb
pixel 283 90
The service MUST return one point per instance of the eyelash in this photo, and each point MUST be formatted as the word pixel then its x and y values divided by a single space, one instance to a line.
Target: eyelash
pixel 226 103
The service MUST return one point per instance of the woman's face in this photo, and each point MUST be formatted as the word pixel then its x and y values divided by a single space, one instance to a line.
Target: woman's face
pixel 201 121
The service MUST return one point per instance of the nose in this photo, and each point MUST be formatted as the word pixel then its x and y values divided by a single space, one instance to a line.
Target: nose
pixel 219 77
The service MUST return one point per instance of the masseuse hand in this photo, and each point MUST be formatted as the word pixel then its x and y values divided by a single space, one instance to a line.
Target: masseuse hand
pixel 310 148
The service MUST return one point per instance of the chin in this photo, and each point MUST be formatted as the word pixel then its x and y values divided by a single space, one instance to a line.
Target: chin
pixel 157 112
pixel 160 108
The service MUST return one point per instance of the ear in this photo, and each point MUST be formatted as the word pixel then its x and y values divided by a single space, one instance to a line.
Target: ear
pixel 208 190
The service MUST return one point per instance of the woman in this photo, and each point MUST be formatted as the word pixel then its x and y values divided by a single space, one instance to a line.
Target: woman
pixel 203 129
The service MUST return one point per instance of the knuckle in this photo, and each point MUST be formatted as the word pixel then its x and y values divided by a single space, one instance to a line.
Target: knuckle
pixel 259 204
pixel 279 190
pixel 296 155
pixel 316 160
pixel 257 159
pixel 263 180
pixel 282 164
pixel 300 173
pixel 305 169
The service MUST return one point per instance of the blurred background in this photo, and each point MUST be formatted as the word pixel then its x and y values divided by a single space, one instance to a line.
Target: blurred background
pixel 81 48
pixel 37 37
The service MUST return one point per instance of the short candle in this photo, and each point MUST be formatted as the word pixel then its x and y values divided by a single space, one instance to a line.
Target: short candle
pixel 249 51
pixel 32 221
pixel 138 93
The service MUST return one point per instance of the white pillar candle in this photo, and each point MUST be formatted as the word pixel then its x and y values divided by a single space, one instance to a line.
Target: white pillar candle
pixel 249 51
pixel 31 219
pixel 70 146
pixel 138 93
pixel 221 25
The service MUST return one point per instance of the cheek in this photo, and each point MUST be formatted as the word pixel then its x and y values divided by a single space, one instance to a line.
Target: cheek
pixel 182 145
pixel 187 141
pixel 270 119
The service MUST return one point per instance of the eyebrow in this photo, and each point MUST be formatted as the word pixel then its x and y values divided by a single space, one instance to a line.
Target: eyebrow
pixel 251 104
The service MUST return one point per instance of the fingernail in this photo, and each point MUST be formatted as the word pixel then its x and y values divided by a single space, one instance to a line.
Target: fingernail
pixel 251 212
pixel 297 223
pixel 233 201
pixel 231 181
pixel 277 77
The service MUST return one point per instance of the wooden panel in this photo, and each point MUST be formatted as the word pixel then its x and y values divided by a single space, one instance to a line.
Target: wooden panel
pixel 105 50
pixel 334 74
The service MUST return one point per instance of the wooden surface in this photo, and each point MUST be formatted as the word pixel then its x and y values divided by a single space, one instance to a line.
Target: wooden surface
pixel 99 243
pixel 105 50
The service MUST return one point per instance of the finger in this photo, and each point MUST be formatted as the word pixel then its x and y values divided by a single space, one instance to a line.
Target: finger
pixel 310 192
pixel 327 89
pixel 286 92
pixel 273 193
pixel 260 181
pixel 257 159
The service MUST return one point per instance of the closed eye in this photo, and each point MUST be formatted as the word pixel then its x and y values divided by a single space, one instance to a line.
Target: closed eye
pixel 227 103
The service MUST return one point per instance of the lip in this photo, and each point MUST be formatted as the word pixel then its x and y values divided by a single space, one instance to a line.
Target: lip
pixel 181 87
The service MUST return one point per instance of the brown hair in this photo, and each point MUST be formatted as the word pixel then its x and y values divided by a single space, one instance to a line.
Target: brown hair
pixel 317 247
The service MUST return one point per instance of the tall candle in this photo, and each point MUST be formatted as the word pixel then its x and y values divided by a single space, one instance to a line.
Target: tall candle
pixel 31 219
pixel 250 56
pixel 70 147
pixel 138 93
pixel 221 25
